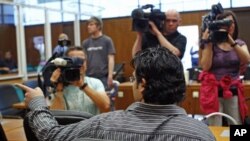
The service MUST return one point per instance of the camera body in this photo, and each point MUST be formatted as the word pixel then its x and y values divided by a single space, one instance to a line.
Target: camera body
pixel 64 42
pixel 141 18
pixel 209 21
pixel 70 69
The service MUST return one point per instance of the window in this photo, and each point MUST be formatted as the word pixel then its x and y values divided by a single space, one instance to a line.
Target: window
pixel 117 8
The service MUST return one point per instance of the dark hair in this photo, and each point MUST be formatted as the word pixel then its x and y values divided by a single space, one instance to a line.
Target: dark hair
pixel 73 48
pixel 230 13
pixel 163 72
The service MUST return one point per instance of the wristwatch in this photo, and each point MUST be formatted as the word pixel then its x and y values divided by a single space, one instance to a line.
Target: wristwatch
pixel 83 86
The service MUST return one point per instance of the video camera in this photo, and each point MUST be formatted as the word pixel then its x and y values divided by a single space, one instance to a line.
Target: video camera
pixel 209 21
pixel 141 18
pixel 70 69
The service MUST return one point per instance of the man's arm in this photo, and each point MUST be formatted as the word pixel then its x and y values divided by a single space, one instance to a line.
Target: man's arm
pixel 111 64
pixel 163 41
pixel 43 123
pixel 138 44
pixel 101 99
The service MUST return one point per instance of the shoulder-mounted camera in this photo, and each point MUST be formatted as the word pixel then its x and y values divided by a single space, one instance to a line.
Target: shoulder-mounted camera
pixel 141 18
pixel 209 21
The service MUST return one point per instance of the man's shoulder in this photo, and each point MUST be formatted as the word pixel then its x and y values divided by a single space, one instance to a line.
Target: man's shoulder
pixel 181 35
pixel 106 37
pixel 94 82
pixel 86 40
pixel 92 79
pixel 110 117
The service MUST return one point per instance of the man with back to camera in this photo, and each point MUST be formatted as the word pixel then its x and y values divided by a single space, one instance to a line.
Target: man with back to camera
pixel 100 52
pixel 87 94
pixel 158 86
pixel 169 38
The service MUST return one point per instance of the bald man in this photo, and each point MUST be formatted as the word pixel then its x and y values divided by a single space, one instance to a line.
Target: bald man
pixel 63 43
pixel 169 38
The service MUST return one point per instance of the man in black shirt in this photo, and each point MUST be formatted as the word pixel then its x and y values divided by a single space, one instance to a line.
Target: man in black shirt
pixel 170 38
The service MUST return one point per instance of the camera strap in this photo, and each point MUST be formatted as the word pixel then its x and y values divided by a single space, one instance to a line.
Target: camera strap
pixel 41 83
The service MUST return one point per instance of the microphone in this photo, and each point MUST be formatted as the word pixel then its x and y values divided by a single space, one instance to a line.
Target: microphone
pixel 59 62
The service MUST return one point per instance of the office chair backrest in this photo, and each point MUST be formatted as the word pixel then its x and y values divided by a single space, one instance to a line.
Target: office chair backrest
pixel 2 134
pixel 63 117
pixel 31 83
pixel 9 95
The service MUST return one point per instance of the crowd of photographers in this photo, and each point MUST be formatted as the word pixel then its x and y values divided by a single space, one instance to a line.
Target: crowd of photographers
pixel 159 81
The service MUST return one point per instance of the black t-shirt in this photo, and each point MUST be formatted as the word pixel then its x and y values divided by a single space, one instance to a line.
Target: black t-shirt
pixel 176 39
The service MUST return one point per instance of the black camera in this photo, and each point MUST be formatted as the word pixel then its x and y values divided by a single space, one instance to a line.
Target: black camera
pixel 141 18
pixel 70 69
pixel 209 21
pixel 64 42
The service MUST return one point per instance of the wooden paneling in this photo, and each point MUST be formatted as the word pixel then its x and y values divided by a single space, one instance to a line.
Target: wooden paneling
pixel 58 28
pixel 8 40
pixel 33 56
pixel 119 29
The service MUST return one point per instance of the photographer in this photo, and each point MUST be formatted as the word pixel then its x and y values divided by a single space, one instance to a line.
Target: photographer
pixel 169 38
pixel 88 93
pixel 63 43
pixel 221 88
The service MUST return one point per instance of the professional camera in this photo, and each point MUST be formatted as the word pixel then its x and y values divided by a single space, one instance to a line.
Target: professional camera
pixel 70 69
pixel 141 18
pixel 64 42
pixel 209 21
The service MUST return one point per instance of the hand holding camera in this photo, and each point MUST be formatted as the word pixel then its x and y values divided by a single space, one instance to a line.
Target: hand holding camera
pixel 215 26
pixel 141 19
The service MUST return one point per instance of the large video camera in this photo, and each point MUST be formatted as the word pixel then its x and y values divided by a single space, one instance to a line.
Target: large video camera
pixel 70 69
pixel 141 18
pixel 209 21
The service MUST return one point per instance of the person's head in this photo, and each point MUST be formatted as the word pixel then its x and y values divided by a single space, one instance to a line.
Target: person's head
pixel 8 55
pixel 63 40
pixel 77 51
pixel 159 77
pixel 172 21
pixel 95 24
pixel 233 28
pixel 63 36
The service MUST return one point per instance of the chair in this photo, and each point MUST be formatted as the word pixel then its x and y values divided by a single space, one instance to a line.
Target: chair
pixel 112 94
pixel 205 120
pixel 9 94
pixel 118 72
pixel 2 134
pixel 31 83
pixel 63 117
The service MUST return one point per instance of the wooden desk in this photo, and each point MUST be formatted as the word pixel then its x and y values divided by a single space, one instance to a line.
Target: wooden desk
pixel 220 133
pixel 20 105
pixel 190 104
pixel 13 129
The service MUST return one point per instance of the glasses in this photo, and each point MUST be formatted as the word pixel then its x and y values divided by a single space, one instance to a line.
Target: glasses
pixel 131 79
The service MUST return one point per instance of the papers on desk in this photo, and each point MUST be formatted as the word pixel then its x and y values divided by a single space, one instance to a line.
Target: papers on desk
pixel 225 133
